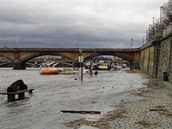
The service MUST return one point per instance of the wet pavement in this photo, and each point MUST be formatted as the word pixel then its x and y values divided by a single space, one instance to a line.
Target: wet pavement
pixel 153 111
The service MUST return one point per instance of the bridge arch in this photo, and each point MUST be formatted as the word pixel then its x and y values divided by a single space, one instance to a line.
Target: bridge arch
pixel 130 57
pixel 34 55
pixel 123 56
pixel 7 57
pixel 20 64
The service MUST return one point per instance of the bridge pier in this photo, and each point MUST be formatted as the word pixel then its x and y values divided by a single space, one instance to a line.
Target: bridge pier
pixel 19 66
pixel 134 65
pixel 156 58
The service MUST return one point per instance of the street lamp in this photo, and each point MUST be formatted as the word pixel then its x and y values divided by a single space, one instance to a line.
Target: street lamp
pixel 81 64
pixel 161 13
pixel 131 45
pixel 143 40
pixel 153 21
pixel 22 39
pixel 80 51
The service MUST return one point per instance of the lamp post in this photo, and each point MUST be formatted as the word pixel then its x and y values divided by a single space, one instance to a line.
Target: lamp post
pixel 143 40
pixel 153 21
pixel 161 14
pixel 131 45
pixel 91 67
pixel 81 65
pixel 22 39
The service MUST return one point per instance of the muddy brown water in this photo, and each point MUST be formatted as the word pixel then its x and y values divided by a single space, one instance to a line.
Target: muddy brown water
pixel 54 93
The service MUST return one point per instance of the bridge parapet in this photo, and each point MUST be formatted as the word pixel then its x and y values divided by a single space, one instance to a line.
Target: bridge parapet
pixel 68 49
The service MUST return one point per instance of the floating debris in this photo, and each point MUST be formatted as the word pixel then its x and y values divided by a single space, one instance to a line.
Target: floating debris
pixel 81 112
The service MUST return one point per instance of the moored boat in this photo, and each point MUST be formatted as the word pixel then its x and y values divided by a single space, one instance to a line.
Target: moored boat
pixel 49 71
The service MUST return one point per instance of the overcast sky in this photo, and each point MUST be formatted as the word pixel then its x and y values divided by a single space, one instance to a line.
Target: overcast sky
pixel 62 23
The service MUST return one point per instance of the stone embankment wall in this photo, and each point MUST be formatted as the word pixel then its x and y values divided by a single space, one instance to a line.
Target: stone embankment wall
pixel 165 58
pixel 147 60
pixel 156 56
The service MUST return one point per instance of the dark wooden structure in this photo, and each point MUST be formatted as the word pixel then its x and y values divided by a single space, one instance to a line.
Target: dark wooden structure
pixel 21 95
pixel 81 112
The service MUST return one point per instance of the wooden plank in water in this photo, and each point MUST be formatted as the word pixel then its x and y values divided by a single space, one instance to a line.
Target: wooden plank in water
pixel 21 94
pixel 81 112
pixel 21 91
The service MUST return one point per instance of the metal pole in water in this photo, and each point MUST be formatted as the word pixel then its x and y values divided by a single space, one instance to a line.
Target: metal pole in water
pixel 81 68
pixel 91 68
pixel 82 75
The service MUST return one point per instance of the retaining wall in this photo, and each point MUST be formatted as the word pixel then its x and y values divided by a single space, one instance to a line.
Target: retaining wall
pixel 156 56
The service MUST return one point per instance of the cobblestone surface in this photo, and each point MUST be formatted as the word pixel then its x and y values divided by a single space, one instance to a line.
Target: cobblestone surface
pixel 152 111
pixel 149 108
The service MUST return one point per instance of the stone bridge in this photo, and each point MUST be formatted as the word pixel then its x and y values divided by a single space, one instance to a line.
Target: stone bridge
pixel 21 55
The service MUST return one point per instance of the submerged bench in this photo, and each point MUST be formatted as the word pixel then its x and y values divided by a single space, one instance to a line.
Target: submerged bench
pixel 21 95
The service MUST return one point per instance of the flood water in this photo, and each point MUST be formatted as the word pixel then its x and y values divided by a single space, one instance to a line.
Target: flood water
pixel 53 93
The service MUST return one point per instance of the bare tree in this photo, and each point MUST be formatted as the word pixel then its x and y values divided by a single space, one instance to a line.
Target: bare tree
pixel 159 24
pixel 167 12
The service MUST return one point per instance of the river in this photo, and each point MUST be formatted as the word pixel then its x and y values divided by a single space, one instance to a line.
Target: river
pixel 53 93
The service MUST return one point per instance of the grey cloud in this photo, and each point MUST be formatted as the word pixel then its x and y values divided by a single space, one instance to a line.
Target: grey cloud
pixel 57 24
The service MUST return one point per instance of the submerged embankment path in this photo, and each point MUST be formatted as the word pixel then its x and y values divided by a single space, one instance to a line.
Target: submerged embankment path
pixel 54 93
